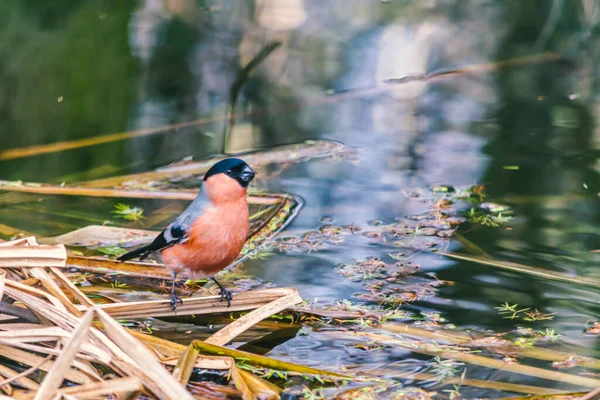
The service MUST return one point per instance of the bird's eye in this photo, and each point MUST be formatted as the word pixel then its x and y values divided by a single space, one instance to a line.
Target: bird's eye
pixel 229 172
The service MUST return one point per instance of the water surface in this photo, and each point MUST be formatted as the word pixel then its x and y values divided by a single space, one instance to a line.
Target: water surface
pixel 81 69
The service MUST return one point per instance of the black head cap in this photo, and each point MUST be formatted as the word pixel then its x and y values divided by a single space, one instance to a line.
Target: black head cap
pixel 233 167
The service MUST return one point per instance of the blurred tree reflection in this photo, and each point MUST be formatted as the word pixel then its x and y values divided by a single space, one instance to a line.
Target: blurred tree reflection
pixel 67 73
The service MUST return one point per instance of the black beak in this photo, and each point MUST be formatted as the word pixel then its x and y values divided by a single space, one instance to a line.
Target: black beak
pixel 247 174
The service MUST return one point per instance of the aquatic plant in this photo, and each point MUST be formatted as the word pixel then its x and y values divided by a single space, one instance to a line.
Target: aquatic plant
pixel 127 212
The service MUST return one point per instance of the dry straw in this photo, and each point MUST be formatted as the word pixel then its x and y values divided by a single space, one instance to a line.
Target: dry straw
pixel 49 325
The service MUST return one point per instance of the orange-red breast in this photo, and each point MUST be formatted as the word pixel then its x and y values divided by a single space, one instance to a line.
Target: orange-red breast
pixel 211 232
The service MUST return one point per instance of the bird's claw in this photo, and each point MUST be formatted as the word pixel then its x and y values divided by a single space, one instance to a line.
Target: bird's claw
pixel 174 300
pixel 226 295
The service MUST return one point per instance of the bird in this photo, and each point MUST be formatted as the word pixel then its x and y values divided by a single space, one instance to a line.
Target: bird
pixel 210 233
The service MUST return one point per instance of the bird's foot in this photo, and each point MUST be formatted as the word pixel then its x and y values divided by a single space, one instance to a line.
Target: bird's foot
pixel 226 295
pixel 174 300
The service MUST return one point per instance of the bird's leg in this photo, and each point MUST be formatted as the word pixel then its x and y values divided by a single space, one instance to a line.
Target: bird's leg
pixel 174 298
pixel 224 293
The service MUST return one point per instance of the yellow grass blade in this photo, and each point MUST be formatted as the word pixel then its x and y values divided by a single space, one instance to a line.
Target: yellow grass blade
pixel 262 360
pixel 261 389
pixel 241 384
pixel 185 365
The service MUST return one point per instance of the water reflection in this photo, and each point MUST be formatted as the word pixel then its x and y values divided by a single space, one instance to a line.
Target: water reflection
pixel 123 66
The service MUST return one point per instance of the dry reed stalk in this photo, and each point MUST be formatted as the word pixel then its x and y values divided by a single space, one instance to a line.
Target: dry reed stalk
pixel 251 386
pixel 169 353
pixel 94 235
pixel 457 337
pixel 278 155
pixel 87 354
pixel 12 154
pixel 61 318
pixel 33 256
pixel 25 373
pixel 163 346
pixel 74 290
pixel 26 253
pixel 261 388
pixel 27 358
pixel 476 69
pixel 185 365
pixel 20 288
pixel 168 387
pixel 99 265
pixel 130 387
pixel 127 355
pixel 182 194
pixel 457 380
pixel 75 144
pixel 15 326
pixel 526 269
pixel 41 334
pixel 197 305
pixel 481 360
pixel 205 362
pixel 245 322
pixel 191 359
pixel 187 360
pixel 2 279
pixel 87 351
pixel 263 361
pixel 82 362
pixel 23 381
pixel 241 384
pixel 50 285
pixel 335 315
pixel 99 389
pixel 55 377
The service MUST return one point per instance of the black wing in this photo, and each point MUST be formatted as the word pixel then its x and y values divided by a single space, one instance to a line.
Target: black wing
pixel 176 232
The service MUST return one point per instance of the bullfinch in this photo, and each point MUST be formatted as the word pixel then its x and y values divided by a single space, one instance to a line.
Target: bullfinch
pixel 211 232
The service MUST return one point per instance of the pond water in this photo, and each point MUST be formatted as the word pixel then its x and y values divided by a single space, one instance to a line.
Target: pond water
pixel 525 129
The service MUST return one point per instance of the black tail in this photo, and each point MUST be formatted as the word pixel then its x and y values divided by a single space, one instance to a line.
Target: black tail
pixel 142 253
